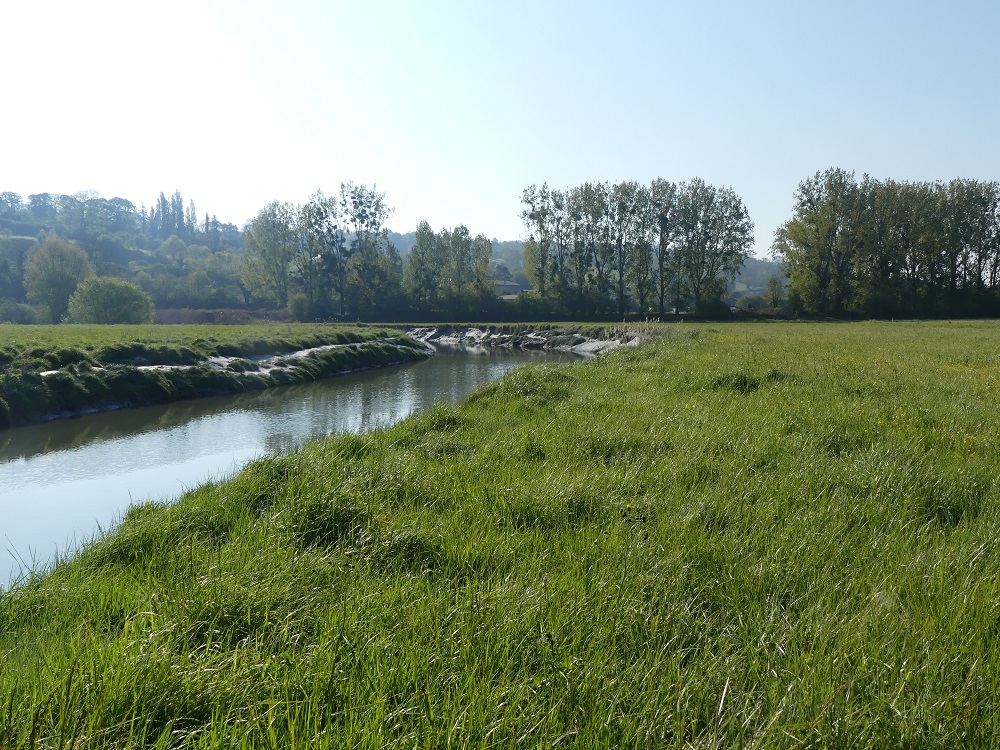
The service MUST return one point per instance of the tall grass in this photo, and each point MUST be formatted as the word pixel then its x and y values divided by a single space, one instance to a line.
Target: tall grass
pixel 772 535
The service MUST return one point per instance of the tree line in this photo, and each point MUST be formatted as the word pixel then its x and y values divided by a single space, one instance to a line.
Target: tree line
pixel 332 257
pixel 599 249
pixel 94 222
pixel 596 251
pixel 884 248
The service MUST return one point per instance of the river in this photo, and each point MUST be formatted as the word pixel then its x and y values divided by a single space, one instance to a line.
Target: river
pixel 62 481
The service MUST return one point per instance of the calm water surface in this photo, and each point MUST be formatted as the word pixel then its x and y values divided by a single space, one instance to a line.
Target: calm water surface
pixel 62 481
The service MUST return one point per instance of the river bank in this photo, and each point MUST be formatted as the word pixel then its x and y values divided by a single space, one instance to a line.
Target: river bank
pixel 69 371
pixel 40 384
pixel 752 535
pixel 582 340
pixel 71 477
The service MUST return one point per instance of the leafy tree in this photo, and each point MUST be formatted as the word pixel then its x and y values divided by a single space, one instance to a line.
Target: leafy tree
pixel 560 270
pixel 624 222
pixel 10 205
pixel 323 253
pixel 108 300
pixel 270 247
pixel 713 238
pixel 177 222
pixel 449 273
pixel 376 279
pixel 819 243
pixel 223 270
pixel 172 250
pixel 663 206
pixel 641 270
pixel 52 271
pixel 425 269
pixel 886 248
pixel 122 215
pixel 12 255
pixel 375 267
pixel 589 216
pixel 775 291
pixel 43 207
pixel 467 286
pixel 365 211
pixel 538 218
pixel 483 282
pixel 592 247
pixel 16 312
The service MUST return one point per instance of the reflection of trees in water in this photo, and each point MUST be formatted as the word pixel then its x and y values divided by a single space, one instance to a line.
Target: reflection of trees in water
pixel 68 434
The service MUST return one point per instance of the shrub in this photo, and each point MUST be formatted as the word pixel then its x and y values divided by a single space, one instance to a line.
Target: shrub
pixel 298 307
pixel 713 309
pixel 12 311
pixel 107 300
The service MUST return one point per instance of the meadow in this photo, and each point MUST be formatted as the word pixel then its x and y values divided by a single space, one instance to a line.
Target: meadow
pixel 733 535
pixel 51 371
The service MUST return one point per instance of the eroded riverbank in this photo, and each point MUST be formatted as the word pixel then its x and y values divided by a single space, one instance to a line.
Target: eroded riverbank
pixel 581 341
pixel 86 384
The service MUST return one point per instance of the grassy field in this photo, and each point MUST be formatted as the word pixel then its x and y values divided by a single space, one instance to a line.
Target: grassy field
pixel 95 367
pixel 762 535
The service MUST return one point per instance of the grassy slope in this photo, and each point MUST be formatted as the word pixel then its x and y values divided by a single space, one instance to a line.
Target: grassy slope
pixel 37 347
pixel 96 363
pixel 767 534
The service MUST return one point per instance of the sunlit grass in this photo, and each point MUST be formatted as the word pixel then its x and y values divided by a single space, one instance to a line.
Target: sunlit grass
pixel 736 535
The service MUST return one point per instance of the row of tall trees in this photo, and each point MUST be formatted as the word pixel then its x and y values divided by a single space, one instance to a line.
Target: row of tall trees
pixel 598 250
pixel 888 248
pixel 332 257
pixel 448 274
pixel 602 249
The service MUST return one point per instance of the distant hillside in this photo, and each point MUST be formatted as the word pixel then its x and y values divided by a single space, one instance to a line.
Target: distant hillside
pixel 753 277
pixel 403 242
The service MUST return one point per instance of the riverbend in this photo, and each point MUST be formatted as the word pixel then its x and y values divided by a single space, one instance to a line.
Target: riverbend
pixel 62 481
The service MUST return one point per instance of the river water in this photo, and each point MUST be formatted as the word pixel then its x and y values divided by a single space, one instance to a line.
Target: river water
pixel 62 481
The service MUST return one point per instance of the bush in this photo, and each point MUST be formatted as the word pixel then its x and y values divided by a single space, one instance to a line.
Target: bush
pixel 108 300
pixel 713 309
pixel 751 302
pixel 12 311
pixel 298 307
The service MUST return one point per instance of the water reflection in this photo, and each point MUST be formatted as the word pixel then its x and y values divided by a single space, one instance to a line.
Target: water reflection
pixel 60 481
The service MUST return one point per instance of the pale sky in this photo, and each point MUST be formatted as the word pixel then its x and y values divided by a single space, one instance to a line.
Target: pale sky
pixel 453 108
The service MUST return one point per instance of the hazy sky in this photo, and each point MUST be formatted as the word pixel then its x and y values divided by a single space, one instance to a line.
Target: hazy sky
pixel 453 108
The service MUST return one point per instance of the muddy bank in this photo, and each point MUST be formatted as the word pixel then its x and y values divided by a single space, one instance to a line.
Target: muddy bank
pixel 584 343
